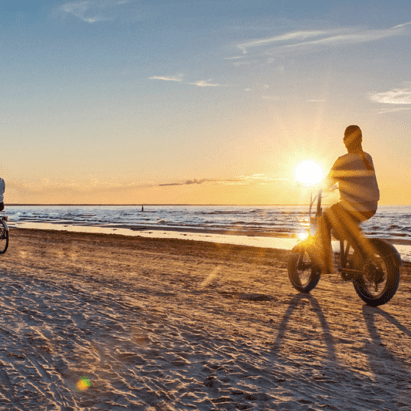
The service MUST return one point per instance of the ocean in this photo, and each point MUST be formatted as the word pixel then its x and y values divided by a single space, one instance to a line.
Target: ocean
pixel 252 225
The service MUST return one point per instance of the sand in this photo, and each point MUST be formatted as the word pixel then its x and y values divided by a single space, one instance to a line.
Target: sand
pixel 154 324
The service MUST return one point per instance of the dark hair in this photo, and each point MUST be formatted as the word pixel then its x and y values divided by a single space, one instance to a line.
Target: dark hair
pixel 353 132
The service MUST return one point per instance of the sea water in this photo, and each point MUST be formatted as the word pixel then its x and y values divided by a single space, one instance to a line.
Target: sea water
pixel 276 226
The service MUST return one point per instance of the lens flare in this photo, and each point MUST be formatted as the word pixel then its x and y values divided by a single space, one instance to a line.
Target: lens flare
pixel 83 384
pixel 309 173
pixel 302 235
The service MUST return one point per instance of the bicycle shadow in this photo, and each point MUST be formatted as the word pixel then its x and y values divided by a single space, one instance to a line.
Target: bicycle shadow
pixel 294 304
pixel 307 360
pixel 381 357
pixel 369 316
pixel 384 362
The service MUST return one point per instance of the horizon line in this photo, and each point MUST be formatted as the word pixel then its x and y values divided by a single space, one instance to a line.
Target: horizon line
pixel 168 204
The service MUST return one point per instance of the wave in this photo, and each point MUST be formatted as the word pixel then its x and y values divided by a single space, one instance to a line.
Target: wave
pixel 389 222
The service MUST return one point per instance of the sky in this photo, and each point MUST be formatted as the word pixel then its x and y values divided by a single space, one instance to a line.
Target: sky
pixel 198 101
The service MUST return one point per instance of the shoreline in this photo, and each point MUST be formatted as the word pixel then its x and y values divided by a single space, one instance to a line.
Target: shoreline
pixel 251 239
pixel 188 230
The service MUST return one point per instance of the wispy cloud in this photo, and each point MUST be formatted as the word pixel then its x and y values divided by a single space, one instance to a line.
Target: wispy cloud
pixel 299 35
pixel 261 178
pixel 199 83
pixel 93 11
pixel 94 184
pixel 167 78
pixel 206 83
pixel 241 180
pixel 311 40
pixel 93 190
pixel 402 25
pixel 188 182
pixel 395 96
pixel 245 62
pixel 392 110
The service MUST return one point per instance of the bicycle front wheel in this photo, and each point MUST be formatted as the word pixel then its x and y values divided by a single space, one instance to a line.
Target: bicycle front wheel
pixel 4 237
pixel 303 273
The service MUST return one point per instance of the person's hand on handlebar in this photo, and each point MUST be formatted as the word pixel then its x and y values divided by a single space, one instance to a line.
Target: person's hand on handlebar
pixel 329 184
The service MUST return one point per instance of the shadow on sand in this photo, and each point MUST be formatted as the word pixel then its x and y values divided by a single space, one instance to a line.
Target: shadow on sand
pixel 389 365
pixel 323 364
pixel 295 303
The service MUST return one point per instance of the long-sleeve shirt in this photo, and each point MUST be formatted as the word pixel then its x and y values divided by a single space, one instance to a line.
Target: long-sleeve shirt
pixel 357 182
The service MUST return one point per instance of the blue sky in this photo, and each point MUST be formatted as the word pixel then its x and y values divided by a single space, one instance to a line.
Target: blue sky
pixel 198 101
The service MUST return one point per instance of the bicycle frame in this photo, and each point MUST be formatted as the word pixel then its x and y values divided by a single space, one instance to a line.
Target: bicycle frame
pixel 345 247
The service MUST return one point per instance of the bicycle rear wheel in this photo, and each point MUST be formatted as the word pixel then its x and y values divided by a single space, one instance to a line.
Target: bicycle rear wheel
pixel 380 276
pixel 4 237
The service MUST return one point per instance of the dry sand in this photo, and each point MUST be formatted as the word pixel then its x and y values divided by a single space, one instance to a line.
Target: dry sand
pixel 178 325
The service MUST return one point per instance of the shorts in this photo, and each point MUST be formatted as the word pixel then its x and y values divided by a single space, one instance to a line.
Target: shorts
pixel 345 221
pixel 342 209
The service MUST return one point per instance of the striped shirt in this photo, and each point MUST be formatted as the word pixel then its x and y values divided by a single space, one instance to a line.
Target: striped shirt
pixel 357 181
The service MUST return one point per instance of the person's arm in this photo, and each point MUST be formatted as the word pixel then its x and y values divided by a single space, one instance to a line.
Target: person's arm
pixel 330 180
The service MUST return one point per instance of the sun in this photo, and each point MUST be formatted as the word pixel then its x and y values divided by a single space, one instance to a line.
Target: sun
pixel 309 173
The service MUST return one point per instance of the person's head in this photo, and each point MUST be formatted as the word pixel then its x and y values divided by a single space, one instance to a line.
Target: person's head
pixel 353 138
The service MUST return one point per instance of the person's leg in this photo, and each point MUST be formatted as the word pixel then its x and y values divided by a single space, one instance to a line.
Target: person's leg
pixel 346 225
pixel 324 233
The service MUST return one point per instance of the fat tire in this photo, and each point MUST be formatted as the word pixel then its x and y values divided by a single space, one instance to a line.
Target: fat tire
pixel 315 274
pixel 4 237
pixel 391 285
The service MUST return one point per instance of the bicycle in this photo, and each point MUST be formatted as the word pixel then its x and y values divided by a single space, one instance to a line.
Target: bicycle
pixel 4 235
pixel 375 275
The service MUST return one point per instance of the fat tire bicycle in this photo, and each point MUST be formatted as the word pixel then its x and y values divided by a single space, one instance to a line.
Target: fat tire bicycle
pixel 375 276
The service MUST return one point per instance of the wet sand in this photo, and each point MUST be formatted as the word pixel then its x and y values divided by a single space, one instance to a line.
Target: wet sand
pixel 162 324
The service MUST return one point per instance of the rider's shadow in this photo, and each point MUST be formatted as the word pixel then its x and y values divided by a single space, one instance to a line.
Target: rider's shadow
pixel 295 304
pixel 312 362
pixel 384 360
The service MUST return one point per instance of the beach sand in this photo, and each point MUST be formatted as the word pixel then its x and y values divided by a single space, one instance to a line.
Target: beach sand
pixel 106 322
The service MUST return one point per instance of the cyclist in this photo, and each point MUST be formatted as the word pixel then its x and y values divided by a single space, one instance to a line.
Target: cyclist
pixel 2 190
pixel 359 194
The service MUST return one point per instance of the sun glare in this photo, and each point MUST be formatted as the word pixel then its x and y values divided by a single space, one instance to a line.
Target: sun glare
pixel 309 173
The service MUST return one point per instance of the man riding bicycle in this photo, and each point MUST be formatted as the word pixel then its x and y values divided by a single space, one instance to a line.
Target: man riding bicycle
pixel 359 194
